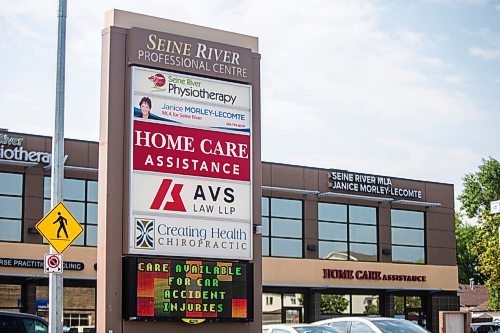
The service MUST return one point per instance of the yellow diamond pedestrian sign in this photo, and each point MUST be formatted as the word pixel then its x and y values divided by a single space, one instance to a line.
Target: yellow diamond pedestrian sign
pixel 59 228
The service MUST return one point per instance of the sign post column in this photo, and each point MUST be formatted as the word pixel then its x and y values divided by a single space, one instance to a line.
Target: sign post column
pixel 56 280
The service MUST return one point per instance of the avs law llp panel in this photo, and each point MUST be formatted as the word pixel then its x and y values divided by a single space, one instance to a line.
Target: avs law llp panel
pixel 186 177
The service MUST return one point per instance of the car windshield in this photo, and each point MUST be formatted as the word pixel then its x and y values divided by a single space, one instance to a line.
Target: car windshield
pixel 488 329
pixel 315 329
pixel 398 326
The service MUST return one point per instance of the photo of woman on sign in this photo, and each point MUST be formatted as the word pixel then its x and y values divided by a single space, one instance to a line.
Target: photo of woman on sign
pixel 145 105
pixel 144 110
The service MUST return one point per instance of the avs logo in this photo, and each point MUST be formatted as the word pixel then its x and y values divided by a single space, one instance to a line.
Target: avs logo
pixel 176 205
pixel 144 233
pixel 158 81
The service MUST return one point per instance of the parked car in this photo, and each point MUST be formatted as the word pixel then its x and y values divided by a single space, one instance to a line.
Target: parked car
pixel 14 322
pixel 485 327
pixel 298 328
pixel 372 325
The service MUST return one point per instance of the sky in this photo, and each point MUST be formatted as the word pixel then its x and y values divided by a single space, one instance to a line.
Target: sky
pixel 405 89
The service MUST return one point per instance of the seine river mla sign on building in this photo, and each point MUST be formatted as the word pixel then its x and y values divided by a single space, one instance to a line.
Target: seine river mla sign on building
pixel 191 166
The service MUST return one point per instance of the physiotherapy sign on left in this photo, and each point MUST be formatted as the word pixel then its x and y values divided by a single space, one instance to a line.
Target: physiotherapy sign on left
pixel 191 166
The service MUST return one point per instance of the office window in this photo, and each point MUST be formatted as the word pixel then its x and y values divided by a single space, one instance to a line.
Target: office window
pixel 349 304
pixel 282 227
pixel 408 236
pixel 80 197
pixel 11 206
pixel 347 232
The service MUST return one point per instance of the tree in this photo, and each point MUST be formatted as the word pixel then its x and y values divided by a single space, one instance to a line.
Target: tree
pixel 333 304
pixel 480 188
pixel 467 261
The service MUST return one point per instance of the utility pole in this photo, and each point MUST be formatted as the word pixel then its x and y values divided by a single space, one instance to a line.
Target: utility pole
pixel 57 169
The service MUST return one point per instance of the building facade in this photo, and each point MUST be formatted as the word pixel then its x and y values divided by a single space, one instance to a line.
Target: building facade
pixel 334 242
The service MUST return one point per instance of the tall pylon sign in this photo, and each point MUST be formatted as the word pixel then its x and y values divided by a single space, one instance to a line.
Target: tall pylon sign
pixel 180 178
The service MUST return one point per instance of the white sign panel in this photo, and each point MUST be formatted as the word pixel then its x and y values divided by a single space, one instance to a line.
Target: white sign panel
pixel 191 166
pixel 53 263
pixel 192 114
pixel 184 237
pixel 191 88
pixel 173 195
pixel 495 207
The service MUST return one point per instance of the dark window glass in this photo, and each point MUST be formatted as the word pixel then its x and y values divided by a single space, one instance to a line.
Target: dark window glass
pixel 92 190
pixel 286 208
pixel 333 250
pixel 355 226
pixel 265 226
pixel 92 235
pixel 286 228
pixel 34 326
pixel 77 209
pixel 74 189
pixel 282 225
pixel 363 215
pixel 12 184
pixel 11 206
pixel 332 231
pixel 407 254
pixel 282 247
pixel 10 230
pixel 405 218
pixel 265 246
pixel 363 252
pixel 407 237
pixel 92 213
pixel 362 233
pixel 9 324
pixel 332 212
pixel 265 206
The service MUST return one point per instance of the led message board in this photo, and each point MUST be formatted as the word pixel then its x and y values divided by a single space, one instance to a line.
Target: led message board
pixel 175 289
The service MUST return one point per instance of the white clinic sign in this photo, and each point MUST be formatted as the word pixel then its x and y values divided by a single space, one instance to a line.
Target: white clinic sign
pixel 187 237
pixel 174 195
pixel 191 88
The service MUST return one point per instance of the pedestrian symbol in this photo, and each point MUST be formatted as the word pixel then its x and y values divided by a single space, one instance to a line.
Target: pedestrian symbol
pixel 59 228
pixel 62 221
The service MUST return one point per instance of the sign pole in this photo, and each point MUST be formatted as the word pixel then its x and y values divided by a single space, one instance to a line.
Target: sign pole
pixel 56 280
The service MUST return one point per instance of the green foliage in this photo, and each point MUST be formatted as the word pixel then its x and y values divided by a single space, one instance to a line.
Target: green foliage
pixel 494 299
pixel 467 261
pixel 333 304
pixel 480 189
pixel 371 309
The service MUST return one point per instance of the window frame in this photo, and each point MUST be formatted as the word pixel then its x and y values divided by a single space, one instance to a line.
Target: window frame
pixel 269 237
pixel 348 225
pixel 402 245
pixel 86 203
pixel 21 196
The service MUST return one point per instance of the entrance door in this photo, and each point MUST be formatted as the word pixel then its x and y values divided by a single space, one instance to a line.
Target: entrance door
pixel 415 315
pixel 292 315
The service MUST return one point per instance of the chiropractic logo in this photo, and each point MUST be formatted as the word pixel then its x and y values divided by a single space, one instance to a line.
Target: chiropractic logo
pixel 176 204
pixel 158 81
pixel 144 233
